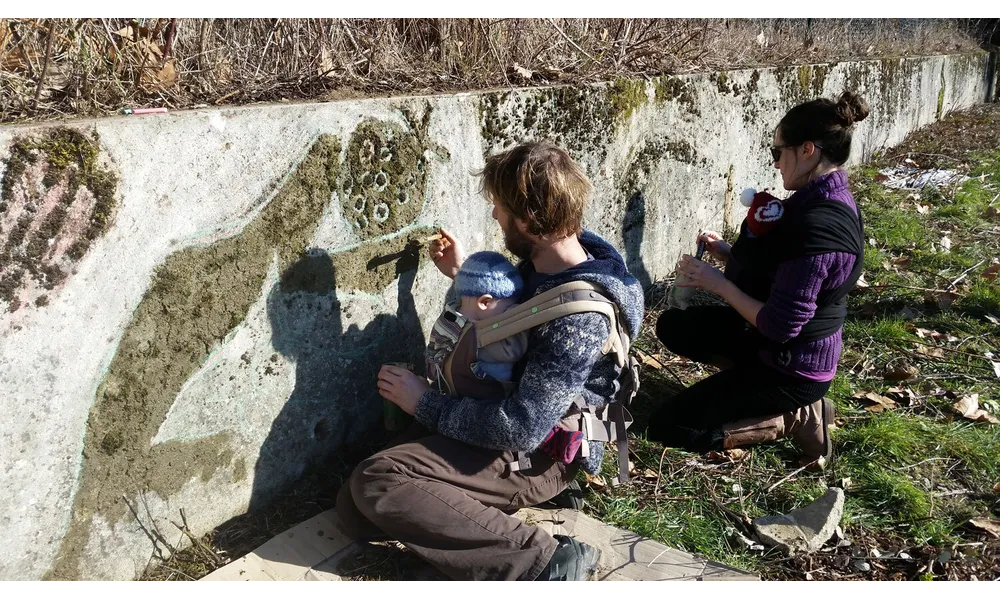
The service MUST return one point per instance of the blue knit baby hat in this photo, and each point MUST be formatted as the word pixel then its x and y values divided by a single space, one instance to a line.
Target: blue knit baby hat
pixel 488 273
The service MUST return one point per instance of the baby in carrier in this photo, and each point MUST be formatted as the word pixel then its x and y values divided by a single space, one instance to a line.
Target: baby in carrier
pixel 487 285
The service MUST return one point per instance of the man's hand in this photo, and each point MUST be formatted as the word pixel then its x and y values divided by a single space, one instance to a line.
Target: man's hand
pixel 447 254
pixel 401 387
pixel 716 246
pixel 700 274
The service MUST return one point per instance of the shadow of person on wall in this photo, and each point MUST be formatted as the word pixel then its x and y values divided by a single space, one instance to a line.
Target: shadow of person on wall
pixel 633 226
pixel 335 401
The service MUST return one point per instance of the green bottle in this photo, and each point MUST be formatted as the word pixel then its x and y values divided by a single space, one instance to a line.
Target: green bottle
pixel 394 418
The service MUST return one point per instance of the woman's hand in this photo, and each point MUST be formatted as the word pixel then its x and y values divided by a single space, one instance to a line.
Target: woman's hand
pixel 700 274
pixel 447 254
pixel 716 246
pixel 401 387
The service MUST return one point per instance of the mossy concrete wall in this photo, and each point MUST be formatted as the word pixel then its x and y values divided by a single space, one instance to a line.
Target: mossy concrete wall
pixel 194 306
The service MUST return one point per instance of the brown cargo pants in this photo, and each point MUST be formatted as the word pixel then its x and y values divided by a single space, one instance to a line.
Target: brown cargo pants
pixel 450 503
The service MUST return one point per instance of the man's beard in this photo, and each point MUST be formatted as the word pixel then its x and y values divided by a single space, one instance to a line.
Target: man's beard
pixel 518 243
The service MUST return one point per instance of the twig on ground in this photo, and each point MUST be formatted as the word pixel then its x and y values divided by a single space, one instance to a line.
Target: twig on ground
pixel 204 550
pixel 790 475
pixel 656 489
pixel 921 462
pixel 177 572
pixel 943 348
pixel 965 273
pixel 887 286
pixel 740 520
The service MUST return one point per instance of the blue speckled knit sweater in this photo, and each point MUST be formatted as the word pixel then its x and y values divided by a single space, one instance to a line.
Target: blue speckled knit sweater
pixel 563 361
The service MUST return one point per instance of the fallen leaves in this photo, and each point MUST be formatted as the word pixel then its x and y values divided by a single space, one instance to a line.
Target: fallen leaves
pixel 932 351
pixel 937 336
pixel 990 526
pixel 990 274
pixel 904 396
pixel 942 299
pixel 737 454
pixel 900 372
pixel 968 407
pixel 648 360
pixel 876 402
pixel 726 456
pixel 945 244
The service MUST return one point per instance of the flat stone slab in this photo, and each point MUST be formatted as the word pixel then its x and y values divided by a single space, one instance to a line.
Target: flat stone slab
pixel 804 529
pixel 627 556
pixel 317 550
pixel 290 555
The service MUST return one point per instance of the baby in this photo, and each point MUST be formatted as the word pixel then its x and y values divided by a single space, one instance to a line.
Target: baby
pixel 765 211
pixel 487 285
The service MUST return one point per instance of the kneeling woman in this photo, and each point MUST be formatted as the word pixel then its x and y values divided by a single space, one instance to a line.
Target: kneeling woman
pixel 779 340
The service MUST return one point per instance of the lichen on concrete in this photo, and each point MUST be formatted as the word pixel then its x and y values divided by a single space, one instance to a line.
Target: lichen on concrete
pixel 721 81
pixel 383 181
pixel 196 297
pixel 626 96
pixel 580 119
pixel 668 88
pixel 56 199
pixel 941 95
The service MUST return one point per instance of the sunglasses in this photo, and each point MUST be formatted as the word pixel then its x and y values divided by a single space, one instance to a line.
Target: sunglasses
pixel 776 150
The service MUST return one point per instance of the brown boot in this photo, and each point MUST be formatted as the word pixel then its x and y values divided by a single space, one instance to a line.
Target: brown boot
pixel 811 432
pixel 754 430
pixel 808 426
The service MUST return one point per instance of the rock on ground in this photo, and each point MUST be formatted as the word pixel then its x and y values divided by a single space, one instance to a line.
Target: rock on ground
pixel 804 529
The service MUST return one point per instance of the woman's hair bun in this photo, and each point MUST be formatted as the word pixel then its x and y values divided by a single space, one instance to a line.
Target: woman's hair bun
pixel 851 108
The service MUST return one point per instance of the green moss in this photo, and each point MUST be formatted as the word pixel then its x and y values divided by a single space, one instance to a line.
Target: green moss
pixel 626 96
pixel 669 88
pixel 721 81
pixel 805 77
pixel 240 470
pixel 940 98
pixel 383 182
pixel 71 158
pixel 637 173
pixel 196 297
pixel 819 73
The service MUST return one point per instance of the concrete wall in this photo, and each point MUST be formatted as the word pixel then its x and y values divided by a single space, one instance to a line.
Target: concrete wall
pixel 194 306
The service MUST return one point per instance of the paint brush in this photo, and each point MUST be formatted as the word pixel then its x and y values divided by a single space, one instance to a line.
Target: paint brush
pixel 426 240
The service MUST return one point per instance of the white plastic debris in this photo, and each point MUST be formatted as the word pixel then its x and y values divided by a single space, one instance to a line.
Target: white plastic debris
pixel 910 177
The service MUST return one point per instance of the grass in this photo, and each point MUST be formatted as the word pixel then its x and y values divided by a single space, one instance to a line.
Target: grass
pixel 53 68
pixel 915 475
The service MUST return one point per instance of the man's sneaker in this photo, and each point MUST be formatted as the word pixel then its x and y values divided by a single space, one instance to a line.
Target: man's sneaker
pixel 571 497
pixel 572 561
